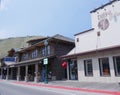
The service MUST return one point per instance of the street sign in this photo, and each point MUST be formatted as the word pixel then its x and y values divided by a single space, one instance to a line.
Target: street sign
pixel 45 61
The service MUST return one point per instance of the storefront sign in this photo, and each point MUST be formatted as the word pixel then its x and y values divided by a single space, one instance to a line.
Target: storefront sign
pixel 9 60
pixel 105 18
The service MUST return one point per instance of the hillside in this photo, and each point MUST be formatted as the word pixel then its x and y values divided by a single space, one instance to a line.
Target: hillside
pixel 17 42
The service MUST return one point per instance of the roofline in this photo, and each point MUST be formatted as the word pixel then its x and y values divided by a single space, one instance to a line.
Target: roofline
pixel 24 49
pixel 103 6
pixel 37 39
pixel 48 39
pixel 92 51
pixel 84 31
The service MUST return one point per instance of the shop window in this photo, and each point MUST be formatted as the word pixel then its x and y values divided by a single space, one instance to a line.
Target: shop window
pixel 117 65
pixel 104 66
pixel 88 67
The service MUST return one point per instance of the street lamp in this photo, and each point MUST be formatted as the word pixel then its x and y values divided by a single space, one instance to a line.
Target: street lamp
pixel 46 62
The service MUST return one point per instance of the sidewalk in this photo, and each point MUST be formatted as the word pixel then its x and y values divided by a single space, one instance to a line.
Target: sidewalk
pixel 88 85
pixel 104 88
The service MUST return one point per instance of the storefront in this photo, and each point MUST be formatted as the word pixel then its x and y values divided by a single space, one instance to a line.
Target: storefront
pixel 97 50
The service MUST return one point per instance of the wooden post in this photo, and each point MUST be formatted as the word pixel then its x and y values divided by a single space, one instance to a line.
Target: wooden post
pixel 26 73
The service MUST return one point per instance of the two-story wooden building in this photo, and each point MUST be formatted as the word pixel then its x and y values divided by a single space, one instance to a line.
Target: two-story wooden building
pixel 30 65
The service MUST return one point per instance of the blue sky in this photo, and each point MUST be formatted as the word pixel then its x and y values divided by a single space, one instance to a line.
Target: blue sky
pixel 45 17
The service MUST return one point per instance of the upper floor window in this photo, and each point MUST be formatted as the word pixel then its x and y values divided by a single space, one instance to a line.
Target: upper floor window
pixel 46 51
pixel 77 39
pixel 43 51
pixel 88 67
pixel 104 66
pixel 116 60
pixel 35 54
pixel 25 56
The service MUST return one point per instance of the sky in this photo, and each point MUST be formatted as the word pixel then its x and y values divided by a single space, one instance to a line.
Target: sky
pixel 19 18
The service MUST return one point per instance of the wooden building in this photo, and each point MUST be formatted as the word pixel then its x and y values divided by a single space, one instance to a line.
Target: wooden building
pixel 30 65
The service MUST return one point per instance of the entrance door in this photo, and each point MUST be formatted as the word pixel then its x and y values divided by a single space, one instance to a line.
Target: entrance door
pixel 73 71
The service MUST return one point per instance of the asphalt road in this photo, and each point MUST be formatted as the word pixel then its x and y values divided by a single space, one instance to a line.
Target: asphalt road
pixel 7 88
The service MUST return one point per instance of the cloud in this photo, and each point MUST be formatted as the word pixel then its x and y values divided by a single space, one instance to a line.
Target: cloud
pixel 4 4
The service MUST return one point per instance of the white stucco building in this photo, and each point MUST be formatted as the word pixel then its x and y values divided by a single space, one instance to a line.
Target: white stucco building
pixel 97 51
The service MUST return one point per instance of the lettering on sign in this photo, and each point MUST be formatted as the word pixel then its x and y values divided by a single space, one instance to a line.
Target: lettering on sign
pixel 105 18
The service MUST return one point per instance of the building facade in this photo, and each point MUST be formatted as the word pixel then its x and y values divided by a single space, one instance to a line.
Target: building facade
pixel 97 50
pixel 31 62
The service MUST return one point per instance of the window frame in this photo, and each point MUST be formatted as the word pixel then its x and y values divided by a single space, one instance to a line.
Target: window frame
pixel 25 56
pixel 104 72
pixel 46 50
pixel 35 53
pixel 115 66
pixel 87 72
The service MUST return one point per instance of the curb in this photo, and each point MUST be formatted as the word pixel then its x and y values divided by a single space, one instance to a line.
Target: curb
pixel 69 88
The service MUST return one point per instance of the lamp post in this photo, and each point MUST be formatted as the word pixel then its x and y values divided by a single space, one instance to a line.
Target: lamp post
pixel 46 62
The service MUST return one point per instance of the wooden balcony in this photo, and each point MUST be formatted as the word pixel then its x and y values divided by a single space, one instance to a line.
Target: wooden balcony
pixel 38 55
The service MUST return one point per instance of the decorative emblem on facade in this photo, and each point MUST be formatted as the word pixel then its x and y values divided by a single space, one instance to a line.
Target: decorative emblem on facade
pixel 103 24
pixel 105 18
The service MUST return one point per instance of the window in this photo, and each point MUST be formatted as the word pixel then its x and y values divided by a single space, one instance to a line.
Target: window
pixel 35 54
pixel 88 67
pixel 43 51
pixel 77 40
pixel 46 51
pixel 117 65
pixel 25 56
pixel 104 66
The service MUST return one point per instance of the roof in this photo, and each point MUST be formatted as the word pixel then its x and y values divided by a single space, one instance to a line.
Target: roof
pixel 73 54
pixel 110 2
pixel 37 39
pixel 16 43
pixel 55 37
pixel 60 37
pixel 84 31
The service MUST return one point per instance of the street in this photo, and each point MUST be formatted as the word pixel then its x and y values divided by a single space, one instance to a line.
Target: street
pixel 7 88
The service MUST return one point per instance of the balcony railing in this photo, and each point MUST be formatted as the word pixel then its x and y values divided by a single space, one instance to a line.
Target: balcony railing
pixel 39 54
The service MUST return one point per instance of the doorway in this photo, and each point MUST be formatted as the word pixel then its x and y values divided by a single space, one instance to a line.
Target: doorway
pixel 73 70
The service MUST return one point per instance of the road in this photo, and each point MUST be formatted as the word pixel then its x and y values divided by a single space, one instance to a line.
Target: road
pixel 7 88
